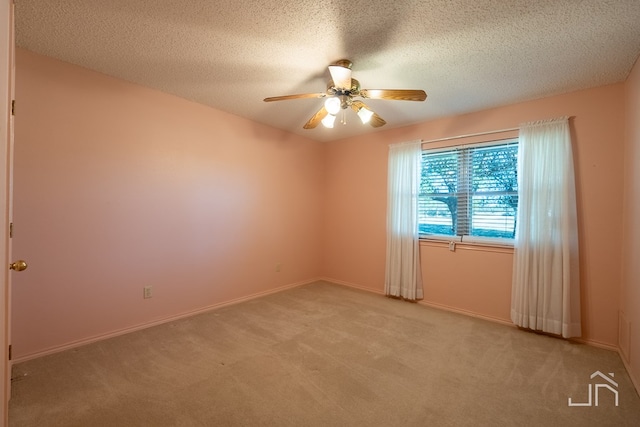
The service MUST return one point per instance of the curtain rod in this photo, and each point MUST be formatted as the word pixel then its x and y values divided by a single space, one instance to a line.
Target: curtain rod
pixel 470 135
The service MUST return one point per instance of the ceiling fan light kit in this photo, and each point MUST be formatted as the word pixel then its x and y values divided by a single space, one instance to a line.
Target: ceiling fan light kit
pixel 328 121
pixel 365 115
pixel 340 94
pixel 332 105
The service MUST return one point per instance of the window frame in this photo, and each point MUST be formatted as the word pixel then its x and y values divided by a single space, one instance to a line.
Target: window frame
pixel 466 238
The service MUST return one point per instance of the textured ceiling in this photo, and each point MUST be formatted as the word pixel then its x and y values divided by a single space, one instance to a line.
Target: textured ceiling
pixel 467 55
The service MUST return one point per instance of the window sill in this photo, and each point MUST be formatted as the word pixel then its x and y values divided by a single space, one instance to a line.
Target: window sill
pixel 469 246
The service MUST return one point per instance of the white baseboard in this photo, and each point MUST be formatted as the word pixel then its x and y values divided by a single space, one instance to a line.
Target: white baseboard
pixel 467 313
pixel 594 343
pixel 100 337
pixel 426 303
pixel 352 285
pixel 627 366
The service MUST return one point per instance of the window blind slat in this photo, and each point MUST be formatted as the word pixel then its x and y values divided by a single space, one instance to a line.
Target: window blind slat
pixel 469 191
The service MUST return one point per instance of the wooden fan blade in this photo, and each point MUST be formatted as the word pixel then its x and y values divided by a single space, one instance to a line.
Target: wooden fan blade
pixel 341 76
pixel 357 105
pixel 375 121
pixel 317 118
pixel 394 94
pixel 298 96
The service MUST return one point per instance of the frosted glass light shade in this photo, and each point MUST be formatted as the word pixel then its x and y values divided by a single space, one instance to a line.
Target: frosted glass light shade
pixel 332 105
pixel 365 115
pixel 329 120
pixel 341 76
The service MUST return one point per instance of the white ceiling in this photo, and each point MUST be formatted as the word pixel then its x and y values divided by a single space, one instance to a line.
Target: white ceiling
pixel 467 55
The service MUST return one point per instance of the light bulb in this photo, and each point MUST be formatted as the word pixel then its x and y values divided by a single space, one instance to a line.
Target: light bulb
pixel 365 115
pixel 332 105
pixel 329 120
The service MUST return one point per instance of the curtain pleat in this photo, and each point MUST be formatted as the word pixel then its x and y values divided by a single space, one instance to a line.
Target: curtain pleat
pixel 402 275
pixel 546 281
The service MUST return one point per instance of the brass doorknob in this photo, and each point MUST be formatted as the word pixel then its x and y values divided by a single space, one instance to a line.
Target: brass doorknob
pixel 18 265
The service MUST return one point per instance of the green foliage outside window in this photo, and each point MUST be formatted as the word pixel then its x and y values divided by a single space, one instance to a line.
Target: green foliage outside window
pixel 470 191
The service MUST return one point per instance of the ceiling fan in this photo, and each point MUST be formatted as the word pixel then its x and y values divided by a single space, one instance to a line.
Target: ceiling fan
pixel 340 94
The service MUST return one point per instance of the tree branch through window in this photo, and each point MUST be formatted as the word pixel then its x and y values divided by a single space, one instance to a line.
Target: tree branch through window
pixel 470 191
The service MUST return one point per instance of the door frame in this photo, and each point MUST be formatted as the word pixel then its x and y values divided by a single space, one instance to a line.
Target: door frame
pixel 6 136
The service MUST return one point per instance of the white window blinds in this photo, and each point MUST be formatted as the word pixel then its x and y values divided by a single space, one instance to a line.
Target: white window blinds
pixel 470 191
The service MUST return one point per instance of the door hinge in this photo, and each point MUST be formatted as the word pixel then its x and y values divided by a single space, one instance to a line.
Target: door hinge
pixel 9 351
pixel 13 107
pixel 10 230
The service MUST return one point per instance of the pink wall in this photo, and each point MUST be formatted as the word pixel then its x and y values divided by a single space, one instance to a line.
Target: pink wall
pixel 118 186
pixel 487 293
pixel 630 292
pixel 354 237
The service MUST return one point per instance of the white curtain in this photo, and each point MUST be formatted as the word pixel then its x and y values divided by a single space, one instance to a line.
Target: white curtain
pixel 402 276
pixel 546 282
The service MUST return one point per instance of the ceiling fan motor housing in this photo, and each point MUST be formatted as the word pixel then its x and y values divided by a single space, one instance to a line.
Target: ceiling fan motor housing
pixel 344 95
pixel 344 63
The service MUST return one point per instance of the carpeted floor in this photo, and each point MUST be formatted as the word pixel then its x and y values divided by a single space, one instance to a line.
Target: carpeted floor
pixel 323 355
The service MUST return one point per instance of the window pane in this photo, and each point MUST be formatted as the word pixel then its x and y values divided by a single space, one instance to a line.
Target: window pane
pixel 492 217
pixel 495 168
pixel 470 191
pixel 494 188
pixel 437 205
pixel 434 217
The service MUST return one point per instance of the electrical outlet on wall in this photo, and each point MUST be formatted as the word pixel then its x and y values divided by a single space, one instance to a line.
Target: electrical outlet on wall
pixel 147 292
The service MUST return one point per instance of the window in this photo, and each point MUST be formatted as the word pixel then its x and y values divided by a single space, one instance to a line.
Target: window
pixel 470 192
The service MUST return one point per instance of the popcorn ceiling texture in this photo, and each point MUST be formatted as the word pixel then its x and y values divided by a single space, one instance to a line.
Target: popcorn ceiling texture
pixel 467 55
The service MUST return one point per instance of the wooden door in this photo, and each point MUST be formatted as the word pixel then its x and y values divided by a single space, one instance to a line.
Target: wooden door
pixel 6 168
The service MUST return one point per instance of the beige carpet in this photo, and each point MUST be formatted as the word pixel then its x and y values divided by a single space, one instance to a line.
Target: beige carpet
pixel 323 355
